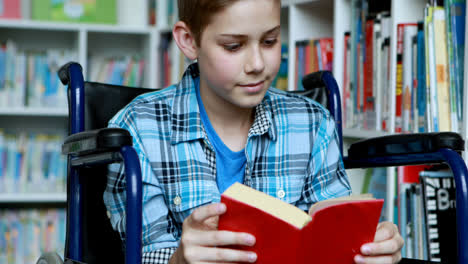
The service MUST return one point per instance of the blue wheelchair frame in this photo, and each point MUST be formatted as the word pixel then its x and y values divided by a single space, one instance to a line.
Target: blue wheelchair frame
pixel 133 246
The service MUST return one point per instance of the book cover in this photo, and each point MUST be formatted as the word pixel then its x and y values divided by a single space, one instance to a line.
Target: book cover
pixel 87 11
pixel 10 9
pixel 439 196
pixel 332 232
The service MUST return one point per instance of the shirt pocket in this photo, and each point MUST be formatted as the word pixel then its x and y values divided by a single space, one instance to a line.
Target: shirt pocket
pixel 286 188
pixel 186 197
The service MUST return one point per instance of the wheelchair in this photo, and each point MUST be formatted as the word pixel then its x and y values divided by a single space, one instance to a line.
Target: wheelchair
pixel 91 146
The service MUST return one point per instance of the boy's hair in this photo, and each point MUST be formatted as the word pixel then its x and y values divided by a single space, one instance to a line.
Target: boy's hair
pixel 197 14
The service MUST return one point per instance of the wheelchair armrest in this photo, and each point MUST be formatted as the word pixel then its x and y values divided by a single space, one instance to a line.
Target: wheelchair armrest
pixel 405 144
pixel 96 141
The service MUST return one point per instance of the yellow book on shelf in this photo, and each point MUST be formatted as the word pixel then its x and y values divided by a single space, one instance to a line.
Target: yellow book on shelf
pixel 442 74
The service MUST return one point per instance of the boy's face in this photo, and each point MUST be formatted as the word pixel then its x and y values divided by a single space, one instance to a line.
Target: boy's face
pixel 240 53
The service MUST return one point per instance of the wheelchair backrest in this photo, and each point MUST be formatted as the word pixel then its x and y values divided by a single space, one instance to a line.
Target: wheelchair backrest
pixel 103 101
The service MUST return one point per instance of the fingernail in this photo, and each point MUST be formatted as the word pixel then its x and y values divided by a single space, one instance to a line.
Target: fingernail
pixel 221 208
pixel 250 240
pixel 252 257
pixel 359 259
pixel 366 249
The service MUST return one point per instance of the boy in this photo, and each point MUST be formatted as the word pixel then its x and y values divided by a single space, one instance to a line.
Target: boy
pixel 221 124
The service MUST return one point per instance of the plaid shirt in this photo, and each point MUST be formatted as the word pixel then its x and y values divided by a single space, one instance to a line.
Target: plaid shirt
pixel 291 151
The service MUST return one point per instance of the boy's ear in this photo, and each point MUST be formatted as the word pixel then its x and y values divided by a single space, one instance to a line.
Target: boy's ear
pixel 185 40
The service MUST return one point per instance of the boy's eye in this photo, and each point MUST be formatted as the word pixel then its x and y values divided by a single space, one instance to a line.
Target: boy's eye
pixel 232 47
pixel 270 41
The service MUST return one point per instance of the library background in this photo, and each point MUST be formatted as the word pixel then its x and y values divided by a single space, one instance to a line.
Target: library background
pixel 399 65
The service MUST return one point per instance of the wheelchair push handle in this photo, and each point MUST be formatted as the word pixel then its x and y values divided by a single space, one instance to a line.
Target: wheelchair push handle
pixel 64 72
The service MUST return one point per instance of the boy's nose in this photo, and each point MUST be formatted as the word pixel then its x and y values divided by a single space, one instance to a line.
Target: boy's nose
pixel 254 61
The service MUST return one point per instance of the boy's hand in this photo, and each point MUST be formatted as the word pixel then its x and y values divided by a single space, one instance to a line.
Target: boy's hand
pixel 386 247
pixel 201 238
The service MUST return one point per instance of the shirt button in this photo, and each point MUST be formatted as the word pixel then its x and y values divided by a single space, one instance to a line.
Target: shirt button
pixel 280 194
pixel 177 200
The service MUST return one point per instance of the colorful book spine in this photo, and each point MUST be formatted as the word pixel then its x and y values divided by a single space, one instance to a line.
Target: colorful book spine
pixel 441 68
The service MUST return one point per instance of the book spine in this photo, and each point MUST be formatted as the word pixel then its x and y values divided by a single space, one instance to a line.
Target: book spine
pixel 440 214
pixel 441 68
pixel 421 90
pixel 458 18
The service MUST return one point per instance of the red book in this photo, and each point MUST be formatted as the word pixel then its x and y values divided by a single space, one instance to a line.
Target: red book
pixel 332 232
pixel 10 9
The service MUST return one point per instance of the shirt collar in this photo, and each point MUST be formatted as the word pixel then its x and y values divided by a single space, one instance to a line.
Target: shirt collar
pixel 186 120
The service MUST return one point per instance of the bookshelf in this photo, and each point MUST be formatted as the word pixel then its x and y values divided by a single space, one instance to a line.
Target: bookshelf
pixel 89 43
pixel 301 19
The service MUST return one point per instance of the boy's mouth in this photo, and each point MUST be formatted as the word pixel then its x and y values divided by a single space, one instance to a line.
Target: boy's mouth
pixel 253 87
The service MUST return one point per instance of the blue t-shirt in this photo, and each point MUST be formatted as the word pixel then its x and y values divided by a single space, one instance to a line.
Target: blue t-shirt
pixel 230 165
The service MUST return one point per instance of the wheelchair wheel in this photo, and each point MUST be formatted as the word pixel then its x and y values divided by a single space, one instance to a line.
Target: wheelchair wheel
pixel 50 258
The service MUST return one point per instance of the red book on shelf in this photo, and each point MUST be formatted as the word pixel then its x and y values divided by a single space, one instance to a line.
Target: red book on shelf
pixel 10 9
pixel 326 52
pixel 399 76
pixel 368 102
pixel 332 232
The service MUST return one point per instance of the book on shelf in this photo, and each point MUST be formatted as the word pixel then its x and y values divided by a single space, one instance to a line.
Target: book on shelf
pixel 457 15
pixel 26 233
pixel 439 196
pixel 441 69
pixel 281 79
pixel 400 74
pixel 409 203
pixel 369 59
pixel 83 11
pixel 31 163
pixel 421 80
pixel 409 31
pixel 118 70
pixel 280 227
pixel 10 9
pixel 312 56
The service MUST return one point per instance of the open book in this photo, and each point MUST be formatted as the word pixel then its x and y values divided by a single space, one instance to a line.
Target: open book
pixel 332 232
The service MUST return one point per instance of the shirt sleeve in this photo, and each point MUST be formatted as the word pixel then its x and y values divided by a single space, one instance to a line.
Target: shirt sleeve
pixel 161 256
pixel 326 177
pixel 158 227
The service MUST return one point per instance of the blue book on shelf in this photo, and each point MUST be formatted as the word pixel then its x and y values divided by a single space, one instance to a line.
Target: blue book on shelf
pixel 421 74
pixel 458 14
pixel 2 68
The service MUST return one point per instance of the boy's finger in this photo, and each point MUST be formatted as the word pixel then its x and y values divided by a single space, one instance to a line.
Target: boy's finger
pixel 217 255
pixel 391 246
pixel 223 238
pixel 385 231
pixel 204 212
pixel 359 259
